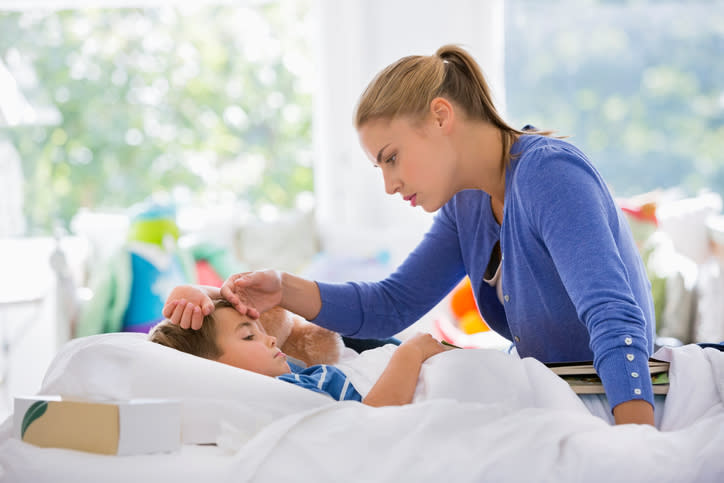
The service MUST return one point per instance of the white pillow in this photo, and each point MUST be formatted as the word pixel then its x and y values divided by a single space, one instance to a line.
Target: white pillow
pixel 126 365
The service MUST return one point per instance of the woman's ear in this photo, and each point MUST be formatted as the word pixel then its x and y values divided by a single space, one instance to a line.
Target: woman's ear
pixel 443 114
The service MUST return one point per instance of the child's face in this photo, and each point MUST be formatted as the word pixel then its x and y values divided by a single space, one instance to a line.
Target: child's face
pixel 244 344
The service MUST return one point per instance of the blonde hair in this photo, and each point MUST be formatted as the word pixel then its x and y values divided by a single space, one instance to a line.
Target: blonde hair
pixel 408 86
pixel 201 342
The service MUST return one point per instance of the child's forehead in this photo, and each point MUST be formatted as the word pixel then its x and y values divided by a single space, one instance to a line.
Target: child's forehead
pixel 231 316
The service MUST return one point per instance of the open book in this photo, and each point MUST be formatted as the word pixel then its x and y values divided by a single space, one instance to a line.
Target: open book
pixel 583 379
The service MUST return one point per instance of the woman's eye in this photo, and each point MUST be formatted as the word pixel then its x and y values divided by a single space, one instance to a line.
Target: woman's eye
pixel 391 159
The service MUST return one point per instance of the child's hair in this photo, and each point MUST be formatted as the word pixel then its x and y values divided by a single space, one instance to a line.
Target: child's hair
pixel 201 342
pixel 408 86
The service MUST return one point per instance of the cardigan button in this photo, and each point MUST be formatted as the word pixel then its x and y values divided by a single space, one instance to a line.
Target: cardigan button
pixel 516 338
pixel 637 391
pixel 507 298
pixel 634 374
pixel 630 357
pixel 628 340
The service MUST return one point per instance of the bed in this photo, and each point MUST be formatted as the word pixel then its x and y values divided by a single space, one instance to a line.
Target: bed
pixel 479 415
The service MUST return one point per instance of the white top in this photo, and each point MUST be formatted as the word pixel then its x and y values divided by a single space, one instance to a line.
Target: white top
pixel 496 282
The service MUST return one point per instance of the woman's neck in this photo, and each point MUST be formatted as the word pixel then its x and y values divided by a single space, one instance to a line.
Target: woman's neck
pixel 481 160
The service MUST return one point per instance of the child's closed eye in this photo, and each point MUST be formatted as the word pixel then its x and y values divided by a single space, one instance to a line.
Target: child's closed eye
pixel 249 337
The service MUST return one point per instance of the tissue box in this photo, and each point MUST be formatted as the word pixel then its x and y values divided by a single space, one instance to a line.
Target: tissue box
pixel 130 427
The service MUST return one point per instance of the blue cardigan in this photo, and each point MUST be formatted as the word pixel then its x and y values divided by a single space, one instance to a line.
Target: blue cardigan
pixel 574 285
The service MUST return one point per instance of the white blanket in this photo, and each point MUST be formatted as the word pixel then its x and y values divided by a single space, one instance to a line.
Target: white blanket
pixel 479 416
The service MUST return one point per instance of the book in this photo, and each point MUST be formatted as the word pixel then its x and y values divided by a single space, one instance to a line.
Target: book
pixel 586 367
pixel 583 379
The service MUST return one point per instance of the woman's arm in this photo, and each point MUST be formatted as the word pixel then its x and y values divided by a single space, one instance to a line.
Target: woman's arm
pixel 396 386
pixel 573 213
pixel 254 292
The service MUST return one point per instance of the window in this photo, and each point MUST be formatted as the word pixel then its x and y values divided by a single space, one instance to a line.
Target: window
pixel 210 102
pixel 638 85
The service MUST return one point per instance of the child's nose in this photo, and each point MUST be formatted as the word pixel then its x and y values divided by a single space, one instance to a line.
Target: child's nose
pixel 272 341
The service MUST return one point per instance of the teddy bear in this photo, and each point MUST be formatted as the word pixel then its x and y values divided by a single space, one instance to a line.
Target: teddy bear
pixel 302 339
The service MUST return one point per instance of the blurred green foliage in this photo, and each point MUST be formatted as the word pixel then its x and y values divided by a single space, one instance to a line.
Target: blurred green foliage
pixel 214 98
pixel 638 85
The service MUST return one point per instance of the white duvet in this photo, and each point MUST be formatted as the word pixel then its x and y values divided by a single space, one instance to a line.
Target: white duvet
pixel 479 416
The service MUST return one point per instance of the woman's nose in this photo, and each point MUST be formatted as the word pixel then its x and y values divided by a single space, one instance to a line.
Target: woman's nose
pixel 392 184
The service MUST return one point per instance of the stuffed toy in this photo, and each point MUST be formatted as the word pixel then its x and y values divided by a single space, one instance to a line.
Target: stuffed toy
pixel 130 288
pixel 464 308
pixel 300 339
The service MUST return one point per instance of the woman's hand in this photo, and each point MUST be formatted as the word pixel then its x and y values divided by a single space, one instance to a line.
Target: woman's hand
pixel 253 292
pixel 636 411
pixel 187 306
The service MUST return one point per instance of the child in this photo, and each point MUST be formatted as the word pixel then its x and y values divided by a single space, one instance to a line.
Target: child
pixel 238 340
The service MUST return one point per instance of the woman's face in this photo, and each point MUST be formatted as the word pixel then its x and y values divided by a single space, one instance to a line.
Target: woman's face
pixel 417 160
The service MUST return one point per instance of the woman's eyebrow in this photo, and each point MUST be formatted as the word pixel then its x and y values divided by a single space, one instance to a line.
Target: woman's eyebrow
pixel 242 325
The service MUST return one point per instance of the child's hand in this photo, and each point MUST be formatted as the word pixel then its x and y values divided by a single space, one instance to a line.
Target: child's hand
pixel 253 292
pixel 426 344
pixel 187 305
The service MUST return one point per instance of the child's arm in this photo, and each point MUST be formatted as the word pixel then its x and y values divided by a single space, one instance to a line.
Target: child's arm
pixel 187 305
pixel 396 385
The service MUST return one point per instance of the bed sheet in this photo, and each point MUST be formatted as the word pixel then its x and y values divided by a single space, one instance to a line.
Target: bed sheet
pixel 510 423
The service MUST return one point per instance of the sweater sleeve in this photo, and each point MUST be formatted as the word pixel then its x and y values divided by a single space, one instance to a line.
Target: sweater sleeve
pixel 382 309
pixel 574 215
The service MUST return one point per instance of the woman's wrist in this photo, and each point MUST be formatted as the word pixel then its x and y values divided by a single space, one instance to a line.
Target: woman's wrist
pixel 635 411
pixel 300 296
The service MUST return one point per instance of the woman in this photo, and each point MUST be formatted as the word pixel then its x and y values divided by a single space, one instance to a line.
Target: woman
pixel 552 262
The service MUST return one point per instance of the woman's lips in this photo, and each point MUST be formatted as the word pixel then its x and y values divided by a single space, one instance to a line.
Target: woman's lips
pixel 412 199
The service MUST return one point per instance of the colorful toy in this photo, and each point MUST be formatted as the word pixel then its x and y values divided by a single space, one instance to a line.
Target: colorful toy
pixel 464 308
pixel 130 289
pixel 465 327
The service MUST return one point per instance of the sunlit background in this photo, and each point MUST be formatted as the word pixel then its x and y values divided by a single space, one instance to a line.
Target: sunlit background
pixel 239 115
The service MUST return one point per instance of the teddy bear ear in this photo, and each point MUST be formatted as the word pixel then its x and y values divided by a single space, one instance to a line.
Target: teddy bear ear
pixel 313 344
pixel 277 322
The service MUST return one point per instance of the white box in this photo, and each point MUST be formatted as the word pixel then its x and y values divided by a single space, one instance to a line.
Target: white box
pixel 129 427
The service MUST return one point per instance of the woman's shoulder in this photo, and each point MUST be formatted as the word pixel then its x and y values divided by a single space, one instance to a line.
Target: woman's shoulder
pixel 533 152
pixel 537 146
